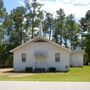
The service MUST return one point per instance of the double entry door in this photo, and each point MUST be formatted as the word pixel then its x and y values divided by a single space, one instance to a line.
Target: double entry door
pixel 40 62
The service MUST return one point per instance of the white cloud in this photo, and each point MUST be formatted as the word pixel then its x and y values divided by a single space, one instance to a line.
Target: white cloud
pixel 76 7
pixel 21 3
pixel 81 1
pixel 69 6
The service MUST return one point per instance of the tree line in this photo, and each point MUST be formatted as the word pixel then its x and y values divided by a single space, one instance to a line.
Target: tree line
pixel 20 25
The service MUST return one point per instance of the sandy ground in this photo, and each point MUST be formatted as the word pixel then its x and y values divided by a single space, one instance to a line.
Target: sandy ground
pixel 18 85
pixel 9 71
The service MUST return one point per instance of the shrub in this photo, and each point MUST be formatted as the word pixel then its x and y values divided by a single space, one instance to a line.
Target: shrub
pixel 29 69
pixel 66 67
pixel 52 69
pixel 39 70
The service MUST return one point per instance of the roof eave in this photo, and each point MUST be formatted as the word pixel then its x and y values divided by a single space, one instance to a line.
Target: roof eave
pixel 44 39
pixel 23 44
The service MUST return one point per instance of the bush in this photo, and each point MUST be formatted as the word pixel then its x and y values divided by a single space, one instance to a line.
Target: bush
pixel 52 69
pixel 29 69
pixel 39 70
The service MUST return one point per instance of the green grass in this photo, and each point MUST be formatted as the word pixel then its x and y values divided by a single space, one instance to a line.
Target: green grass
pixel 75 74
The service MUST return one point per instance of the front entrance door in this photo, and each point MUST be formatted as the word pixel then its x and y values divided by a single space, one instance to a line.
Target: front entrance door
pixel 40 62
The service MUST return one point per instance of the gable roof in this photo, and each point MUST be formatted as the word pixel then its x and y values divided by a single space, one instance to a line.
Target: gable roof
pixel 43 39
pixel 78 51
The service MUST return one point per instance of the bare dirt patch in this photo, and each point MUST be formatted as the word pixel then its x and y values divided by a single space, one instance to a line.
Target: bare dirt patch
pixel 9 72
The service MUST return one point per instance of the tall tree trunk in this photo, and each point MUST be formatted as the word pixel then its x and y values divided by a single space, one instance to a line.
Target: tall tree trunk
pixel 32 28
pixel 61 37
pixel 65 43
pixel 50 33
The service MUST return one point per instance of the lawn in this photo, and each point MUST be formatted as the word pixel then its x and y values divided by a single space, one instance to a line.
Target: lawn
pixel 75 74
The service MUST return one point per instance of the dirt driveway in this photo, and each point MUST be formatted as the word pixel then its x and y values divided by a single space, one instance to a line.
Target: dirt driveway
pixel 11 73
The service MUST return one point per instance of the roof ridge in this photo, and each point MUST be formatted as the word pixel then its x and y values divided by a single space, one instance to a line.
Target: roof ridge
pixel 42 38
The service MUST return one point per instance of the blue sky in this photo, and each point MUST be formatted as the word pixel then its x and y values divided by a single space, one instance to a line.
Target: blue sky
pixel 11 4
pixel 76 7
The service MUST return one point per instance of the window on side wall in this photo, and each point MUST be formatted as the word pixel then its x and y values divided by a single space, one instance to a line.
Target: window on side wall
pixel 57 57
pixel 23 57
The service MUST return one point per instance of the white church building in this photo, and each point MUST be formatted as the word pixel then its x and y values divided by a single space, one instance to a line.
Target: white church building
pixel 43 53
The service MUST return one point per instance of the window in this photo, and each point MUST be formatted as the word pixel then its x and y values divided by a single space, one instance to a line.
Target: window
pixel 57 57
pixel 23 57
